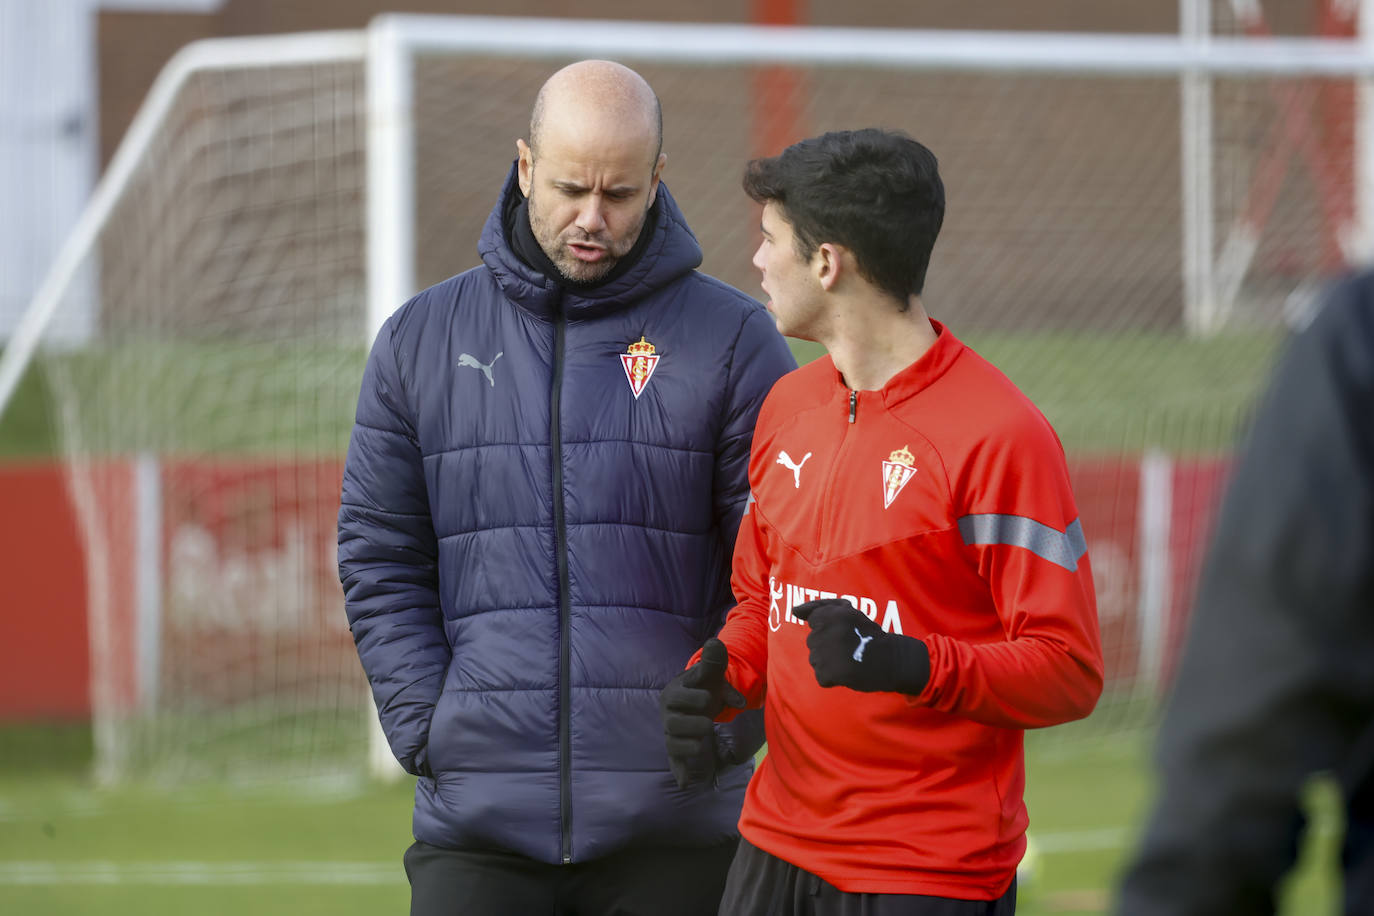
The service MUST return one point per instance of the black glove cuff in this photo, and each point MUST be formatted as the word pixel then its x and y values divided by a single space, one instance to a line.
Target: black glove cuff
pixel 912 664
pixel 728 752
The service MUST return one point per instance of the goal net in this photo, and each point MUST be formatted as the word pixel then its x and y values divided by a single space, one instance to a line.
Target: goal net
pixel 205 414
pixel 1132 224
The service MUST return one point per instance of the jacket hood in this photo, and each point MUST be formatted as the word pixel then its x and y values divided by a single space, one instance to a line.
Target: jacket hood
pixel 672 251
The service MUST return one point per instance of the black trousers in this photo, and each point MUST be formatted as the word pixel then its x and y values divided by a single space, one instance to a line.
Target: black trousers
pixel 650 881
pixel 761 884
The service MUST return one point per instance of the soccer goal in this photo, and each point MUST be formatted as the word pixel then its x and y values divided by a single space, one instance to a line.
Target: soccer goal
pixel 1132 221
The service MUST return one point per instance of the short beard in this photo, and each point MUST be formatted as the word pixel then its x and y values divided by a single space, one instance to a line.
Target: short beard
pixel 569 267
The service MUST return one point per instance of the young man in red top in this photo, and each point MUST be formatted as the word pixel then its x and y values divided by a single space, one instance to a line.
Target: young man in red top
pixel 912 580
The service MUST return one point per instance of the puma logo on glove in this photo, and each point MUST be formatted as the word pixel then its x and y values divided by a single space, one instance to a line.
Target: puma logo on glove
pixel 849 650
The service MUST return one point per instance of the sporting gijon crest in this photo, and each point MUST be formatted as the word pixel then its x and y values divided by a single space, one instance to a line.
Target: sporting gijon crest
pixel 639 361
pixel 899 468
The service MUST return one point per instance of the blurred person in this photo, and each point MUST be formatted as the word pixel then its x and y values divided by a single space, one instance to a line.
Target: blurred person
pixel 539 505
pixel 1276 683
pixel 912 579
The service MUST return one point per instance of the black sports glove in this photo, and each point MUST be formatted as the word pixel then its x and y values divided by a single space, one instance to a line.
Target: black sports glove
pixel 849 650
pixel 689 706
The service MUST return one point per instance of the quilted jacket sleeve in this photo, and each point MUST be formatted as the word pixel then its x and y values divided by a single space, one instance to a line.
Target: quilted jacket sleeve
pixel 761 357
pixel 387 561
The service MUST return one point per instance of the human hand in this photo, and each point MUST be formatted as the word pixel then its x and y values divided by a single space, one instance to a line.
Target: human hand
pixel 689 706
pixel 849 650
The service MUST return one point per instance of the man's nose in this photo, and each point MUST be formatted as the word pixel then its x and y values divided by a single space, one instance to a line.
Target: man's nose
pixel 590 218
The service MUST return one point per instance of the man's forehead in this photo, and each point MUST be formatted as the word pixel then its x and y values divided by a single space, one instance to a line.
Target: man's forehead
pixel 774 218
pixel 585 172
pixel 596 135
pixel 604 163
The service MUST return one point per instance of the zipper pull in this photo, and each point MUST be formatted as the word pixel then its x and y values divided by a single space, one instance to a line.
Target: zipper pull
pixel 853 405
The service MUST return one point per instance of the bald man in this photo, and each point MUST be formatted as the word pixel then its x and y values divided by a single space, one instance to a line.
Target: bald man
pixel 540 503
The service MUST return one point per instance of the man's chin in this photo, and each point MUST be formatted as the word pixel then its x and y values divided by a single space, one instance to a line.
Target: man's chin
pixel 581 272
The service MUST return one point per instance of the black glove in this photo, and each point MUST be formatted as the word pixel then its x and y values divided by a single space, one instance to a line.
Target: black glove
pixel 849 650
pixel 689 706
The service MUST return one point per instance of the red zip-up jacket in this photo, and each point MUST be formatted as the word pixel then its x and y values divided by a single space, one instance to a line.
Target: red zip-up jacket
pixel 940 506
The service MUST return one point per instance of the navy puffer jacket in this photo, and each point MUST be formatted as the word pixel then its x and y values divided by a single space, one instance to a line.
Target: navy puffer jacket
pixel 529 552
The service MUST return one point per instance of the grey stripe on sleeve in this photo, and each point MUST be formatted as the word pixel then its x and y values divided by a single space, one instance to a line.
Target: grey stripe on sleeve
pixel 1062 548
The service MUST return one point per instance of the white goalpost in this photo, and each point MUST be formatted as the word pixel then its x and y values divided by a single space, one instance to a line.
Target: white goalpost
pixel 277 198
pixel 1195 58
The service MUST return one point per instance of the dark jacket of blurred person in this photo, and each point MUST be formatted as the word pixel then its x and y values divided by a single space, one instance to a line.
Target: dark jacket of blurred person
pixel 539 507
pixel 1277 680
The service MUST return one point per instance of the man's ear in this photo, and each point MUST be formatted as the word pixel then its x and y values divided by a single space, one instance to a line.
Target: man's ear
pixel 828 264
pixel 525 168
pixel 654 179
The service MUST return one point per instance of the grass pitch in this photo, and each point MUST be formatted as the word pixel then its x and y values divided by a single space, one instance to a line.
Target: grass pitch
pixel 68 848
pixel 1104 393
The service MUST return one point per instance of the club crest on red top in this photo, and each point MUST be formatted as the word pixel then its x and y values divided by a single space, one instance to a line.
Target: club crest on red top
pixel 899 467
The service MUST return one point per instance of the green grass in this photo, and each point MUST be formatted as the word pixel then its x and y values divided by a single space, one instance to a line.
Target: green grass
pixel 210 851
pixel 1105 393
pixel 27 427
pixel 1114 393
pixel 1088 803
pixel 1084 799
pixel 69 848
pixel 245 744
pixel 221 397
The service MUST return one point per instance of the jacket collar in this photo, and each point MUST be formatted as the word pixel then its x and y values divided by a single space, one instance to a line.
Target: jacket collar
pixel 672 252
pixel 918 376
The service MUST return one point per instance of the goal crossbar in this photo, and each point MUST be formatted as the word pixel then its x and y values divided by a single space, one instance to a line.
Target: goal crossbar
pixel 1098 54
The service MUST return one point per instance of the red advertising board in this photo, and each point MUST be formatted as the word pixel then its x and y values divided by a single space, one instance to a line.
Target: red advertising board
pixel 245 594
pixel 251 599
pixel 44 666
pixel 1107 491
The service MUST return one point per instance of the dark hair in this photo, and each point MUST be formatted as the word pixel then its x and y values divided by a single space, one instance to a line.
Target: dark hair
pixel 876 192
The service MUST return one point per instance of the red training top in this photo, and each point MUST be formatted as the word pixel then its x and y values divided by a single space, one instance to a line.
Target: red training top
pixel 939 506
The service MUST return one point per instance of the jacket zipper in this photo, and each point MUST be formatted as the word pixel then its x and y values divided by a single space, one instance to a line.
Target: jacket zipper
pixel 560 535
pixel 824 514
